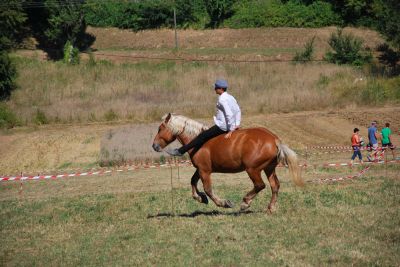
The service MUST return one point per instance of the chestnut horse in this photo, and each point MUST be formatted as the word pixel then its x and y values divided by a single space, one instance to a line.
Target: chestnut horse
pixel 252 150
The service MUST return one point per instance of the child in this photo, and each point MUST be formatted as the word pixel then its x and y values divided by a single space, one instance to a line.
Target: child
pixel 386 141
pixel 355 144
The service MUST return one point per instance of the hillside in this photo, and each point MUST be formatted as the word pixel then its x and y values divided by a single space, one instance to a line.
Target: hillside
pixel 221 44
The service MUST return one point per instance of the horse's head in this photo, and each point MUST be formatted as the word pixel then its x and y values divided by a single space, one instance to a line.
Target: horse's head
pixel 164 135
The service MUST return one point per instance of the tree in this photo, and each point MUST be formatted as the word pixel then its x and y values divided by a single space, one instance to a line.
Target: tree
pixel 54 23
pixel 347 49
pixel 218 10
pixel 12 29
pixel 388 22
pixel 355 12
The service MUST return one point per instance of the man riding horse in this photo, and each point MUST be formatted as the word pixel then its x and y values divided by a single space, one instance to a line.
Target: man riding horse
pixel 226 120
pixel 252 150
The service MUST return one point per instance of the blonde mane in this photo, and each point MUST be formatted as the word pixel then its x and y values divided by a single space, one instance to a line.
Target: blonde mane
pixel 180 124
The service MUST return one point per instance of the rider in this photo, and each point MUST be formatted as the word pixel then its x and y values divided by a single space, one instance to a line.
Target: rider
pixel 227 120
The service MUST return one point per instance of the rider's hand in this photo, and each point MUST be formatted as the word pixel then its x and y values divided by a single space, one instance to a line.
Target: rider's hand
pixel 228 135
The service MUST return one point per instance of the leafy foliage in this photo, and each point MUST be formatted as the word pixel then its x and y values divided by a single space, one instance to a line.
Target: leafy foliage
pixel 12 30
pixel 355 12
pixel 307 54
pixel 388 13
pixel 8 74
pixel 290 14
pixel 71 54
pixel 347 49
pixel 218 10
pixel 7 117
pixel 56 22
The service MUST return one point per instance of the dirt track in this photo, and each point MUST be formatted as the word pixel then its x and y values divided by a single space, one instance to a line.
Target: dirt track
pixel 33 150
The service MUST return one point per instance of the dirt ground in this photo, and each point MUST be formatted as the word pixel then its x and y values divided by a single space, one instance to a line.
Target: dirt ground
pixel 36 150
pixel 259 44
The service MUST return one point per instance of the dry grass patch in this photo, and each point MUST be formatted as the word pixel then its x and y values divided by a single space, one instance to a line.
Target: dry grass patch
pixel 145 91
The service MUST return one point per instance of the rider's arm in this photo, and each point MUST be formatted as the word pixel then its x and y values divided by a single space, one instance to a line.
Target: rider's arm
pixel 230 120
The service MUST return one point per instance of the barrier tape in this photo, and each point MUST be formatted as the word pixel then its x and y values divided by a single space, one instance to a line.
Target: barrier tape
pixel 347 148
pixel 98 172
pixel 340 179
pixel 157 165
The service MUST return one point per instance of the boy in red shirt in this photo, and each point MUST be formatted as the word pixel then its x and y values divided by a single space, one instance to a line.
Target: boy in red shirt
pixel 356 144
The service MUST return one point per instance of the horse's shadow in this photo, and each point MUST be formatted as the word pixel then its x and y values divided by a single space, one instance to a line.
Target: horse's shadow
pixel 199 213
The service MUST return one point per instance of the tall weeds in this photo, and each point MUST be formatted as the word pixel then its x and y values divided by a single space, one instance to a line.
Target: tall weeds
pixel 145 91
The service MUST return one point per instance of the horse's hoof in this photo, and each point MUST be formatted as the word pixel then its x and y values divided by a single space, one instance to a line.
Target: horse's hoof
pixel 228 204
pixel 244 206
pixel 204 198
pixel 270 209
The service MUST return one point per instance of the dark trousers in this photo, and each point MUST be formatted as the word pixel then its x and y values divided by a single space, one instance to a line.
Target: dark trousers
pixel 356 153
pixel 203 137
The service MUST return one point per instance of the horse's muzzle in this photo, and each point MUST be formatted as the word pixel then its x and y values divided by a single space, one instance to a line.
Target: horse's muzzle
pixel 157 147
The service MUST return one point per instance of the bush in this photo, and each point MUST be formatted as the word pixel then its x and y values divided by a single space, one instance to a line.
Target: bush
pixel 347 50
pixel 71 54
pixel 7 117
pixel 40 118
pixel 110 115
pixel 307 54
pixel 8 74
pixel 148 14
pixel 275 14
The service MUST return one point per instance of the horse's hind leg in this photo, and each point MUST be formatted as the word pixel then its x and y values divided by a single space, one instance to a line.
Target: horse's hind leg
pixel 206 179
pixel 196 194
pixel 274 183
pixel 255 176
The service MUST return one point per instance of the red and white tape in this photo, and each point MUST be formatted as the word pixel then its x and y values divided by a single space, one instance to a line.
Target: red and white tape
pixel 154 165
pixel 340 179
pixel 94 172
pixel 344 148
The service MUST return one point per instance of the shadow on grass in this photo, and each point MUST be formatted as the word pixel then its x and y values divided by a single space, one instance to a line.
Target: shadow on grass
pixel 200 213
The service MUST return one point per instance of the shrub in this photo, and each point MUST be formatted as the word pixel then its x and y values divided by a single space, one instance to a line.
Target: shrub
pixel 275 14
pixel 40 118
pixel 347 50
pixel 110 115
pixel 8 74
pixel 71 54
pixel 7 117
pixel 307 54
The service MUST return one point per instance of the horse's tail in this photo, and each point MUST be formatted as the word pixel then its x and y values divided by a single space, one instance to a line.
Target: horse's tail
pixel 288 157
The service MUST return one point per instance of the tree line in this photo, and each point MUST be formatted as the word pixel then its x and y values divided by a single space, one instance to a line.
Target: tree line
pixel 59 26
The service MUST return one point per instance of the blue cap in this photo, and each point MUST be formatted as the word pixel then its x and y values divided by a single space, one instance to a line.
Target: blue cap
pixel 221 84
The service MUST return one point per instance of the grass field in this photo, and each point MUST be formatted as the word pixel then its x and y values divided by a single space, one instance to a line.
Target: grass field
pixel 135 218
pixel 69 115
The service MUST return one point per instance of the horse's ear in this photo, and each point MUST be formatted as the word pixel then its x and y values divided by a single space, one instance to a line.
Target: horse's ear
pixel 168 118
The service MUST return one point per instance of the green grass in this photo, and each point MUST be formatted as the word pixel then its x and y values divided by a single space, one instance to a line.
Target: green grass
pixel 341 224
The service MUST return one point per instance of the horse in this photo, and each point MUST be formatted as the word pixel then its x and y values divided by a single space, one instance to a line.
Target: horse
pixel 252 150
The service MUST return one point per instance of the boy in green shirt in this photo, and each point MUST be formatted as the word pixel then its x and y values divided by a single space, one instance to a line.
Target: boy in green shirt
pixel 386 142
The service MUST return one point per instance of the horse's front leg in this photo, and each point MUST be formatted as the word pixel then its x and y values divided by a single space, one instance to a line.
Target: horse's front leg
pixel 206 179
pixel 196 194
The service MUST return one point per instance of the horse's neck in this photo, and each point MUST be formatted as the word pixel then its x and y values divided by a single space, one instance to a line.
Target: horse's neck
pixel 184 139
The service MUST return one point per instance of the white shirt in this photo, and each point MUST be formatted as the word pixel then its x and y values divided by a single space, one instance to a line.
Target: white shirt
pixel 228 113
